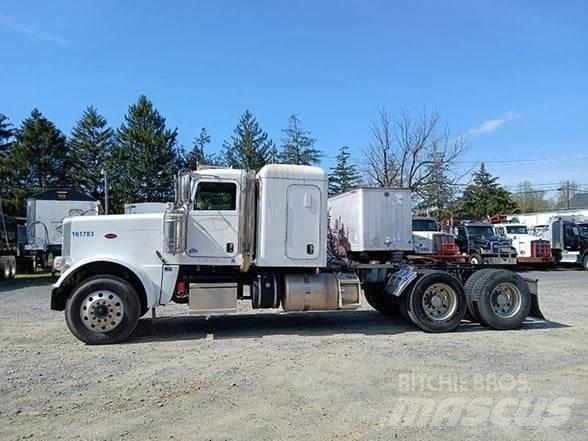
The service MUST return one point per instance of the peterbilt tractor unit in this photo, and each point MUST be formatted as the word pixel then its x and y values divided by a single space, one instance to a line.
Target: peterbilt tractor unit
pixel 265 238
pixel 531 250
pixel 430 242
pixel 481 245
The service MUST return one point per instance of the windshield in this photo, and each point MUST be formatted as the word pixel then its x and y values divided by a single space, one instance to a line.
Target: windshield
pixel 583 229
pixel 424 225
pixel 484 231
pixel 517 229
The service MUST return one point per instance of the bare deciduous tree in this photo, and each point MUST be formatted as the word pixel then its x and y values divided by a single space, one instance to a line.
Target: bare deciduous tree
pixel 412 151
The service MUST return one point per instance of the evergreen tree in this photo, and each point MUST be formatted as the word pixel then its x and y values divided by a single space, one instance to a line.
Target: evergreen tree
pixel 274 155
pixel 297 145
pixel 485 197
pixel 40 154
pixel 90 145
pixel 437 195
pixel 145 158
pixel 6 136
pixel 344 175
pixel 249 147
pixel 6 172
pixel 197 155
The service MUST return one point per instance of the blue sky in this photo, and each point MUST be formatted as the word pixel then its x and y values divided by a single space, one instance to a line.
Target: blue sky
pixel 514 74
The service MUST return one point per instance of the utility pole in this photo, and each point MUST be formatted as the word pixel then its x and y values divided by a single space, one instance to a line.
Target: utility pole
pixel 568 195
pixel 103 172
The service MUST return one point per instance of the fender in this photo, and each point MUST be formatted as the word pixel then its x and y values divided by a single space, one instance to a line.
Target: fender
pixel 150 275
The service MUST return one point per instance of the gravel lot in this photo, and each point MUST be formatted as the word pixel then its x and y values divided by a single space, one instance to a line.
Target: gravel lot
pixel 331 375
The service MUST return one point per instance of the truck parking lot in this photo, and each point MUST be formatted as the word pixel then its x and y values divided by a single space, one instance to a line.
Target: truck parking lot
pixel 318 375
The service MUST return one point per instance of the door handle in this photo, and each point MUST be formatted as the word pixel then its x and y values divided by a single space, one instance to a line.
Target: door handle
pixel 230 247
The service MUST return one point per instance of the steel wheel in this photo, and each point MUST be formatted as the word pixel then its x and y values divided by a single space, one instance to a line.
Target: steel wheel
pixel 506 300
pixel 439 301
pixel 102 311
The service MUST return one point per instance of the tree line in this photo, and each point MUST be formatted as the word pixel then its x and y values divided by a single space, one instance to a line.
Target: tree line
pixel 142 155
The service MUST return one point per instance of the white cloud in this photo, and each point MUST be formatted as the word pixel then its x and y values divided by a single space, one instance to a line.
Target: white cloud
pixel 492 124
pixel 38 33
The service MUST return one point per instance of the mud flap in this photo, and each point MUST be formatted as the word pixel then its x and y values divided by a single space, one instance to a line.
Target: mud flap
pixel 535 311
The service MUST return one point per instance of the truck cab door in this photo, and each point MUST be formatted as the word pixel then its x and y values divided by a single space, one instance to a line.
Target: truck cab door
pixel 213 222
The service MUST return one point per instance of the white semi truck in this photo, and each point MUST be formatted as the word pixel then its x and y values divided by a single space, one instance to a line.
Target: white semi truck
pixel 530 249
pixel 429 241
pixel 229 229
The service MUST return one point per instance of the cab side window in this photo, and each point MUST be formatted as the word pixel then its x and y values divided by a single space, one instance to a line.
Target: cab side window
pixel 215 196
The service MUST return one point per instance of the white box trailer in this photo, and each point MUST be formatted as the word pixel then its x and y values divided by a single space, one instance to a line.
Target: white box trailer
pixel 145 207
pixel 45 214
pixel 374 219
pixel 234 235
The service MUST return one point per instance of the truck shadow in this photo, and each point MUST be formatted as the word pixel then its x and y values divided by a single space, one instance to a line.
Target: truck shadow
pixel 314 324
pixel 26 281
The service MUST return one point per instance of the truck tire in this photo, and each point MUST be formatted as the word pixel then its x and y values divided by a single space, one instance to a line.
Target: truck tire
pixel 381 301
pixel 502 299
pixel 469 292
pixel 475 259
pixel 437 302
pixel 12 262
pixel 4 269
pixel 102 309
pixel 585 262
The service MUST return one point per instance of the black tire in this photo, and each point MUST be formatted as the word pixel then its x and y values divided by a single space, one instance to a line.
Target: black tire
pixel 403 302
pixel 585 262
pixel 12 262
pixel 381 301
pixel 4 269
pixel 485 293
pixel 475 259
pixel 450 314
pixel 469 292
pixel 130 316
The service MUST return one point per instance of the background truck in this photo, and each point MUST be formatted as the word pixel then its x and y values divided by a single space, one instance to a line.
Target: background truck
pixel 478 241
pixel 45 214
pixel 8 247
pixel 145 207
pixel 530 248
pixel 232 234
pixel 565 234
pixel 430 242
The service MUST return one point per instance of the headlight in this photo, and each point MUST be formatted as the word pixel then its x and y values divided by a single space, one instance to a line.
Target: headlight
pixel 61 263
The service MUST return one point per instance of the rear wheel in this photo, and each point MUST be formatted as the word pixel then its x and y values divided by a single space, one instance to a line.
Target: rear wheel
pixel 469 292
pixel 437 302
pixel 4 269
pixel 12 263
pixel 102 310
pixel 502 299
pixel 381 301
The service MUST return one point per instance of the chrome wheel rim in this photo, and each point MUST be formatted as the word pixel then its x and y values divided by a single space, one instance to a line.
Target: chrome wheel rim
pixel 439 301
pixel 506 300
pixel 474 261
pixel 102 311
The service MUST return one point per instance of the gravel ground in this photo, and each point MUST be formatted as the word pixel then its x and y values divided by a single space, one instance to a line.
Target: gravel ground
pixel 332 375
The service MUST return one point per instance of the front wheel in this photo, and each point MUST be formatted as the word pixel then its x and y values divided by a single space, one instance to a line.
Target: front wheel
pixel 102 310
pixel 475 259
pixel 585 262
